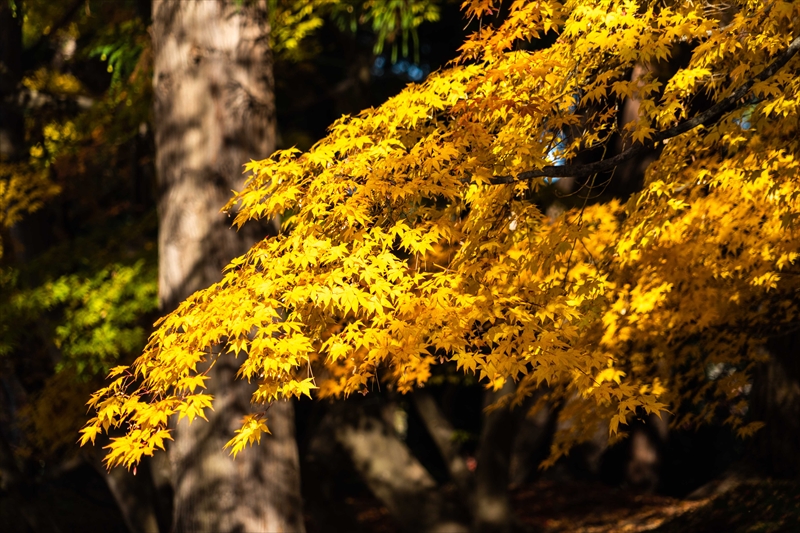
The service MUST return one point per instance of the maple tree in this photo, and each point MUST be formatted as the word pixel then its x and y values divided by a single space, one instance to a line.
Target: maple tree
pixel 411 234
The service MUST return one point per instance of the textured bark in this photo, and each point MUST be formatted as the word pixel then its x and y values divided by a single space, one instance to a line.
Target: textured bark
pixel 214 111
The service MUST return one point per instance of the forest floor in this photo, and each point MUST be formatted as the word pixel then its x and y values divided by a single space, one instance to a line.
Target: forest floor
pixel 78 500
pixel 755 506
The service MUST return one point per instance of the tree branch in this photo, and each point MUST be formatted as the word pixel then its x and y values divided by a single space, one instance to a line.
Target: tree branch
pixel 709 116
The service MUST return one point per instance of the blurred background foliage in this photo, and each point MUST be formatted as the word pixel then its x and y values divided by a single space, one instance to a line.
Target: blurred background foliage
pixel 78 197
pixel 80 282
pixel 393 23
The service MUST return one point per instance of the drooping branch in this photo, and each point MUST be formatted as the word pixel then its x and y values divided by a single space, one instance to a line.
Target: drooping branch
pixel 709 116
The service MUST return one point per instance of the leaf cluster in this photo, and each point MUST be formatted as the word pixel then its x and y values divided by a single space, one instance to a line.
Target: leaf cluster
pixel 404 249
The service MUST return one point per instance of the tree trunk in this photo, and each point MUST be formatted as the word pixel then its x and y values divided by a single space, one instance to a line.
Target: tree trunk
pixel 134 494
pixel 492 505
pixel 775 400
pixel 214 111
pixel 533 440
pixel 389 468
pixel 442 433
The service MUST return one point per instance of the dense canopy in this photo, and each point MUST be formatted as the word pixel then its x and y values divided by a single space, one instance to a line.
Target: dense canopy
pixel 415 234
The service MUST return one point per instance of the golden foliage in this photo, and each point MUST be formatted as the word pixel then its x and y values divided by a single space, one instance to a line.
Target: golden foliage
pixel 411 235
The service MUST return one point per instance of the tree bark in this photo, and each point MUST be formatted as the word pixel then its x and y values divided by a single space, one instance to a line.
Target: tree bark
pixel 214 111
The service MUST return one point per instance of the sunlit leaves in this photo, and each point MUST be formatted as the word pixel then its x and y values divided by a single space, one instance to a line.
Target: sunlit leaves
pixel 400 255
pixel 250 433
pixel 193 406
